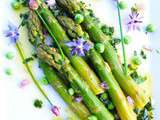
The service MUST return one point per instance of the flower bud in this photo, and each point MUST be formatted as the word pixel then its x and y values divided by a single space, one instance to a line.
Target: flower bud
pixel 33 5
pixel 55 110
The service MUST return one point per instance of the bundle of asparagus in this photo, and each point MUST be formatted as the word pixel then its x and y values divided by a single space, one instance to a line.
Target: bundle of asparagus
pixel 79 64
pixel 127 84
pixel 95 107
pixel 75 68
pixel 36 38
pixel 118 98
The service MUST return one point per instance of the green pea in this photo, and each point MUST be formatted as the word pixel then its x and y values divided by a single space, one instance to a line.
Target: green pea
pixel 9 55
pixel 104 96
pixel 100 47
pixel 8 71
pixel 16 5
pixel 79 18
pixel 150 28
pixel 92 117
pixel 127 39
pixel 122 5
pixel 71 91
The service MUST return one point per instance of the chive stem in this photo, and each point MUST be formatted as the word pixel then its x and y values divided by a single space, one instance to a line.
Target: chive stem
pixel 122 39
pixel 59 47
pixel 20 52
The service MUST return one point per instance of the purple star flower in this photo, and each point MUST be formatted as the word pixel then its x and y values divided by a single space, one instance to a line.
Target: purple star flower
pixel 12 33
pixel 134 21
pixel 79 47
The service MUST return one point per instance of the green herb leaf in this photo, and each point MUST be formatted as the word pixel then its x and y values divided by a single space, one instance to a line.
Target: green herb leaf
pixel 28 60
pixel 38 103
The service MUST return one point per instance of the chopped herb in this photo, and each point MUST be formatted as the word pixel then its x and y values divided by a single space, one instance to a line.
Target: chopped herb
pixel 24 17
pixel 110 105
pixel 38 103
pixel 28 60
pixel 114 42
pixel 137 78
pixel 107 30
pixel 146 113
pixel 143 54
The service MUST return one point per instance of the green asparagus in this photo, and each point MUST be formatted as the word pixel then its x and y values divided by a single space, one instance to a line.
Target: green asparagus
pixel 74 7
pixel 54 59
pixel 57 84
pixel 36 36
pixel 117 96
pixel 78 63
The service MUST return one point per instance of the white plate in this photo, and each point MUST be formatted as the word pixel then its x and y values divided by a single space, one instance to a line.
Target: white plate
pixel 17 104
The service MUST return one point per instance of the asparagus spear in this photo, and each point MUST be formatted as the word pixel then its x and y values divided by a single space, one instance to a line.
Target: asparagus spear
pixel 117 96
pixel 36 36
pixel 57 84
pixel 79 64
pixel 127 84
pixel 54 59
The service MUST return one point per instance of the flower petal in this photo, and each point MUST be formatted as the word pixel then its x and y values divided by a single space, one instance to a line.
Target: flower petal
pixel 71 44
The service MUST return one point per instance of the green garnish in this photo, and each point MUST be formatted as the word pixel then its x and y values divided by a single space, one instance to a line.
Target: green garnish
pixel 28 60
pixel 137 78
pixel 79 18
pixel 150 28
pixel 104 96
pixel 136 60
pixel 143 54
pixel 110 105
pixel 107 30
pixel 9 55
pixel 38 103
pixel 146 113
pixel 122 5
pixel 16 5
pixel 127 39
pixel 71 91
pixel 8 71
pixel 100 47
pixel 44 81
